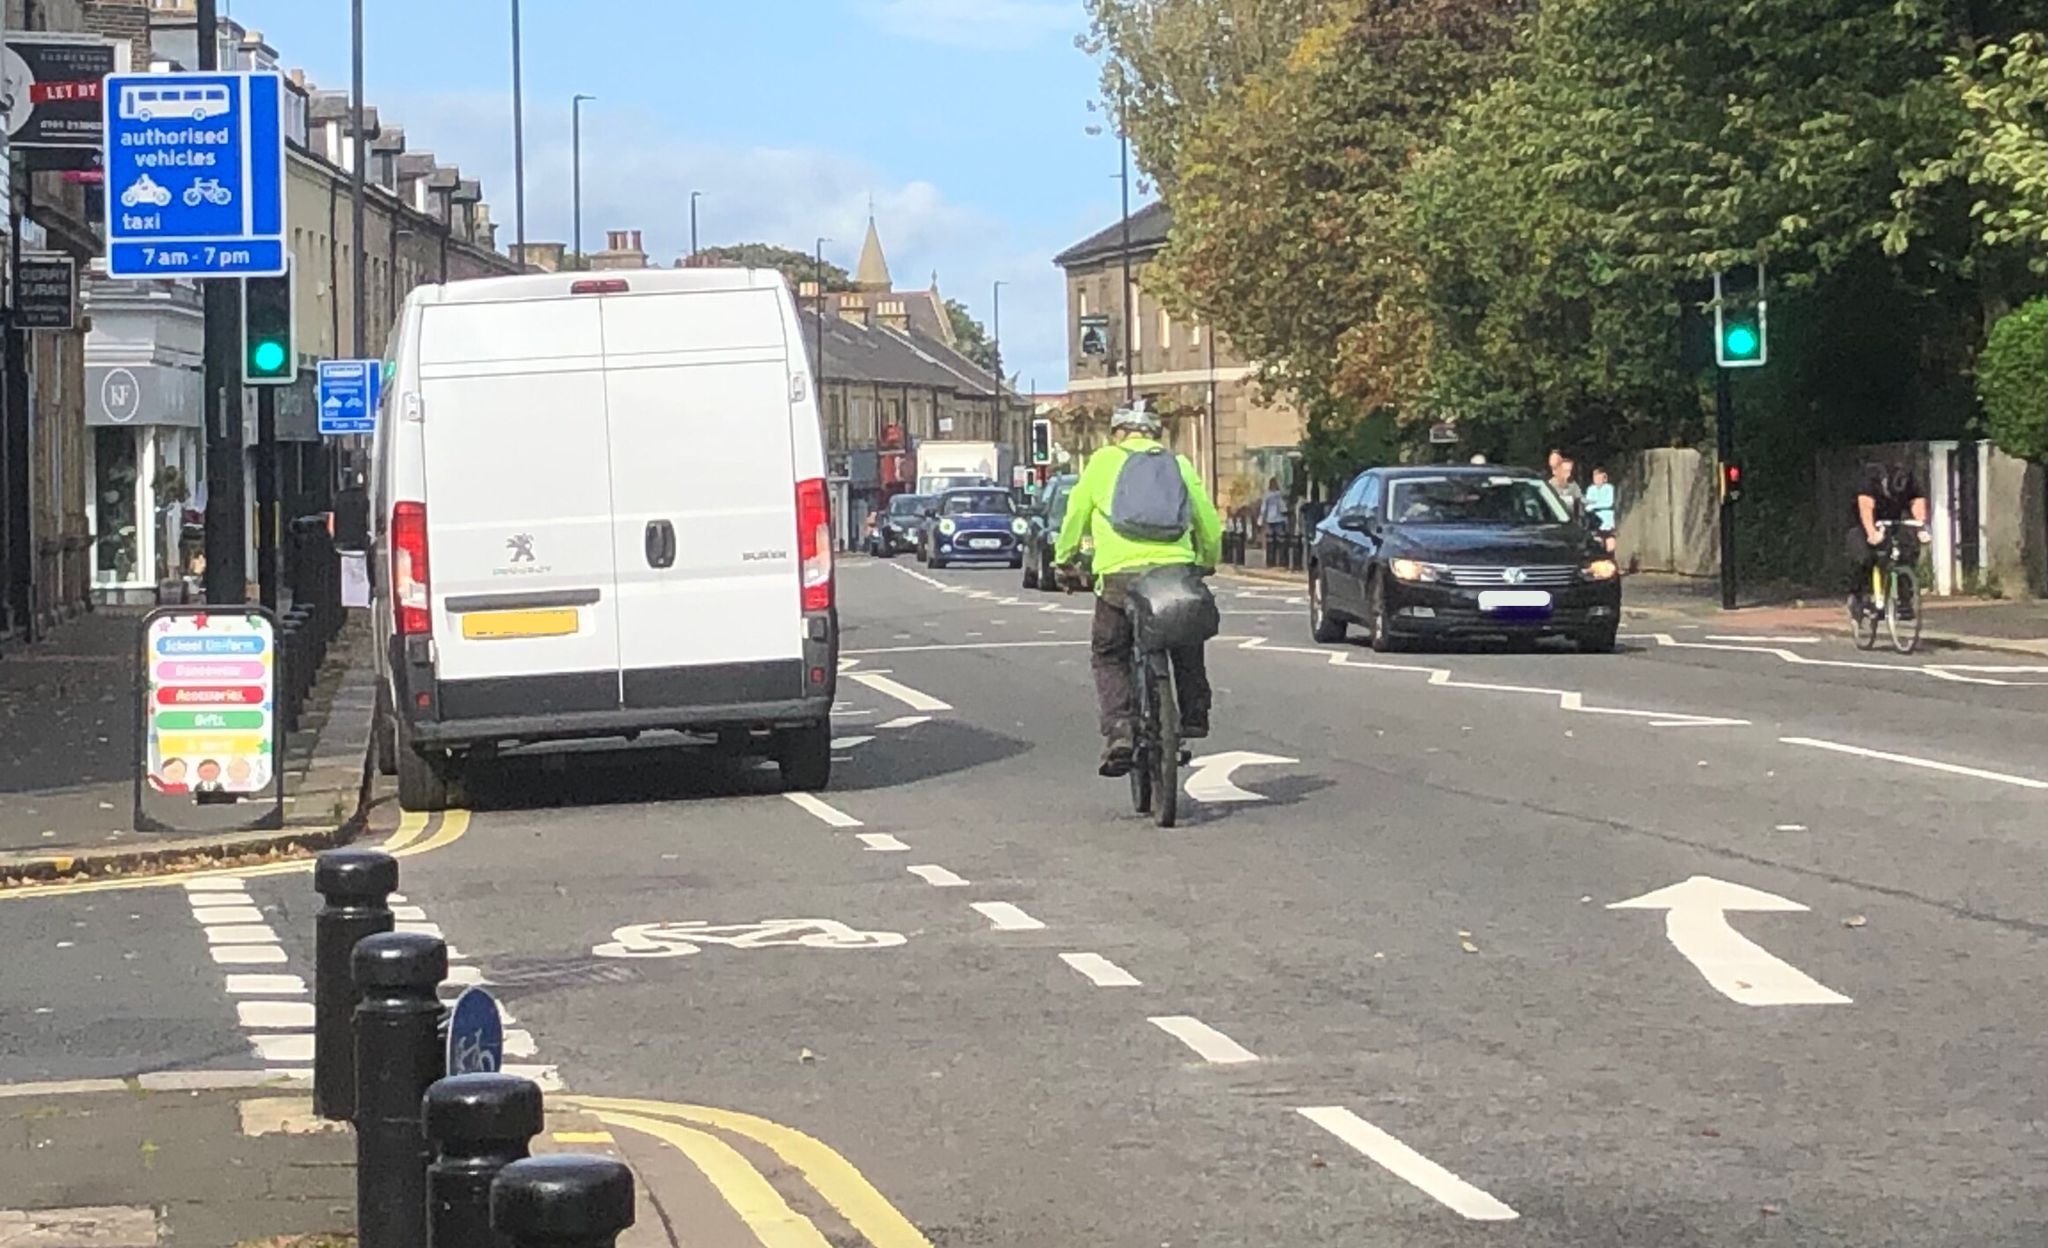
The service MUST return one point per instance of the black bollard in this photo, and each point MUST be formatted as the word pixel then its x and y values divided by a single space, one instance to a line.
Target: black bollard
pixel 399 1055
pixel 568 1200
pixel 477 1125
pixel 354 884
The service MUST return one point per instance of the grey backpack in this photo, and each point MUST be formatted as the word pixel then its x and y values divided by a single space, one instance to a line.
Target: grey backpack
pixel 1150 502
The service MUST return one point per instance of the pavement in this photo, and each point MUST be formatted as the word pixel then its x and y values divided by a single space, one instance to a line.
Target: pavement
pixel 1730 938
pixel 68 757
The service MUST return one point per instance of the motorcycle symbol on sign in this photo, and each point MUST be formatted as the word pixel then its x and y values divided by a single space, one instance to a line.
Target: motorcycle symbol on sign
pixel 680 940
pixel 146 190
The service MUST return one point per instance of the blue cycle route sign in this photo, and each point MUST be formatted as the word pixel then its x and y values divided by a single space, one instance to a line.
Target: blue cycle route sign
pixel 349 393
pixel 476 1034
pixel 195 175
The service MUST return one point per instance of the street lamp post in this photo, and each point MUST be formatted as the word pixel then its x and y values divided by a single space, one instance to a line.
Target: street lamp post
pixel 357 178
pixel 1123 135
pixel 518 141
pixel 818 382
pixel 576 158
pixel 694 197
pixel 997 368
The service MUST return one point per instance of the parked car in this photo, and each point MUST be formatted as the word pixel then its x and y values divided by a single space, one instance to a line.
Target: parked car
pixel 559 556
pixel 900 525
pixel 974 526
pixel 1044 532
pixel 1410 553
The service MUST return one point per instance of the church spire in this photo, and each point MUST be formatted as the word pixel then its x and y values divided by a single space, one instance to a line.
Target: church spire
pixel 873 272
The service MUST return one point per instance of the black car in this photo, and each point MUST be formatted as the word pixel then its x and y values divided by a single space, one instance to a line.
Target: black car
pixel 1410 553
pixel 1045 532
pixel 897 530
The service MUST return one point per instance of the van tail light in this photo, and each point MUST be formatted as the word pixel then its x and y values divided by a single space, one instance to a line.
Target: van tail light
pixel 600 286
pixel 409 602
pixel 814 543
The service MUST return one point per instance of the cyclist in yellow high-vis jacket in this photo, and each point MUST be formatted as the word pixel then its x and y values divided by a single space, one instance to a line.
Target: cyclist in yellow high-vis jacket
pixel 1118 560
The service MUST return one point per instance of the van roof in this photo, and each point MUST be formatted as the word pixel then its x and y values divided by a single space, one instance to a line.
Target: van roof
pixel 638 281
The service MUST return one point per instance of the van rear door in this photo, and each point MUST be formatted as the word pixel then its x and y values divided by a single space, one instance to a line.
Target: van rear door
pixel 518 501
pixel 704 498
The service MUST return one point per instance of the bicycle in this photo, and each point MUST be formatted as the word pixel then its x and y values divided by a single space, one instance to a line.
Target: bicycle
pixel 1157 754
pixel 1894 598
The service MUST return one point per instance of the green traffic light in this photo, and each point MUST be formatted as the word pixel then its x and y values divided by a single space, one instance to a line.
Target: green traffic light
pixel 268 356
pixel 1740 341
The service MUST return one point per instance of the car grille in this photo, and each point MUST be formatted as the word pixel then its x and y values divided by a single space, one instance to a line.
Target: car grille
pixel 1497 578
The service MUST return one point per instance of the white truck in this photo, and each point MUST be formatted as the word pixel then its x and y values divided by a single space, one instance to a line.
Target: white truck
pixel 950 465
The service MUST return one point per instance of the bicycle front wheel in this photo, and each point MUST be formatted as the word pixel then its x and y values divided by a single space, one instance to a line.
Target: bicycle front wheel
pixel 1166 712
pixel 1904 616
pixel 1863 615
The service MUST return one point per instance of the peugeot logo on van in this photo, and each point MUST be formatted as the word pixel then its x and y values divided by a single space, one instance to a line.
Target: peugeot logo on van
pixel 521 546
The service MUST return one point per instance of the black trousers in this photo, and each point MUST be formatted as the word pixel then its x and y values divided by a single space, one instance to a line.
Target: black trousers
pixel 1116 689
pixel 1863 556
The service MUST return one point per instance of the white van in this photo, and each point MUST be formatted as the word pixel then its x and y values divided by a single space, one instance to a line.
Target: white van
pixel 600 510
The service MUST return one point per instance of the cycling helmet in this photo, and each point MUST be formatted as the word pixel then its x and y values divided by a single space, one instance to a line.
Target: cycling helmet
pixel 1136 419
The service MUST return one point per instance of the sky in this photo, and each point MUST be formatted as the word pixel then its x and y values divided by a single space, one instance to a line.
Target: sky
pixel 965 122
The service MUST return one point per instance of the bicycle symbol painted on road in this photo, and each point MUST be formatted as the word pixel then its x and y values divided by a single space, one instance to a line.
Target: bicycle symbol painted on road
pixel 680 940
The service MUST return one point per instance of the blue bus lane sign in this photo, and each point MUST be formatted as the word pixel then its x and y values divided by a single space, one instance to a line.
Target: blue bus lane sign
pixel 195 175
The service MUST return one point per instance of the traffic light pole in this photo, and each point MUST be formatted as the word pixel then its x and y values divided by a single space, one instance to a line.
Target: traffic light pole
pixel 269 517
pixel 1724 439
pixel 227 516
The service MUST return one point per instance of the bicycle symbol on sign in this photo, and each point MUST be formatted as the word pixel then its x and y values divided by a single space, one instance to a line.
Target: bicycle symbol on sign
pixel 680 940
pixel 208 190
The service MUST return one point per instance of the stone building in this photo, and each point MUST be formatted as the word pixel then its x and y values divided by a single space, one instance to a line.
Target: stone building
pixel 1183 368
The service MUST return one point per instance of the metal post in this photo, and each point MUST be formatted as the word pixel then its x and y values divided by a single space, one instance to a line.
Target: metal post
pixel 19 521
pixel 227 520
pixel 353 884
pixel 576 160
pixel 478 1125
pixel 358 179
pixel 518 141
pixel 1124 141
pixel 1724 440
pixel 269 511
pixel 399 1055
pixel 568 1200
pixel 996 430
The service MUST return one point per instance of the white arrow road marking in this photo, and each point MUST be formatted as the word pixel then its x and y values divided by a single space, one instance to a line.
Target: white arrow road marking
pixel 1405 1163
pixel 901 692
pixel 1696 921
pixel 1210 779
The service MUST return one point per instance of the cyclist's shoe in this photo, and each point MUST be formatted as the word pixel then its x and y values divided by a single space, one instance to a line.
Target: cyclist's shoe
pixel 1116 754
pixel 1194 727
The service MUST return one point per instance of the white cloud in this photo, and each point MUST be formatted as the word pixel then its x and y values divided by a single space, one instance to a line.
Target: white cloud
pixel 1001 24
pixel 638 175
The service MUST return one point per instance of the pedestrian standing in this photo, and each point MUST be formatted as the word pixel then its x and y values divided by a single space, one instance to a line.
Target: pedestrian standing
pixel 1600 506
pixel 1273 515
pixel 1564 479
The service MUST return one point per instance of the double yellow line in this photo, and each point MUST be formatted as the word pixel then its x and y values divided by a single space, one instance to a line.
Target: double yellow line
pixel 690 1130
pixel 410 840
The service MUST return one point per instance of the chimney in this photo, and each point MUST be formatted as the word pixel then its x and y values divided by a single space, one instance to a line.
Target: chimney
pixel 894 314
pixel 807 290
pixel 853 308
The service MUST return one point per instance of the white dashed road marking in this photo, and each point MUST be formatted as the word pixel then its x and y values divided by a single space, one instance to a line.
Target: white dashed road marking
pixel 1209 1044
pixel 847 743
pixel 937 877
pixel 882 842
pixel 1407 1164
pixel 901 692
pixel 823 810
pixel 1908 760
pixel 1100 971
pixel 1005 917
pixel 907 721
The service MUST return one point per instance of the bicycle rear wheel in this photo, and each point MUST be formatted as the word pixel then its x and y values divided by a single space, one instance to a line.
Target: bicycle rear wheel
pixel 1166 714
pixel 1904 616
pixel 1144 743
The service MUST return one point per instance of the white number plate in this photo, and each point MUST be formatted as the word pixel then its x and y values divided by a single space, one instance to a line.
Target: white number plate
pixel 990 543
pixel 1514 599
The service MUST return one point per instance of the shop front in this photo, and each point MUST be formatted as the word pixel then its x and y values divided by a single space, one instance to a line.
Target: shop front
pixel 147 466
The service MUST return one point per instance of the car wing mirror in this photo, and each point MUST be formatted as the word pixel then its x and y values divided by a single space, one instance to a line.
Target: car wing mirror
pixel 1358 522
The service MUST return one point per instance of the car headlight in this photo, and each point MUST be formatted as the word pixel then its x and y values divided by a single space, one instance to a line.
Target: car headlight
pixel 947 527
pixel 1600 570
pixel 1413 570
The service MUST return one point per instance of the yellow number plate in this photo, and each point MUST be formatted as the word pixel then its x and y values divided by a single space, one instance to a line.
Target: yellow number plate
pixel 497 625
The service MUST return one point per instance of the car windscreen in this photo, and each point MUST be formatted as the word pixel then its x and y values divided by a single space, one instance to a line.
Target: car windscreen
pixel 977 503
pixel 907 504
pixel 1468 499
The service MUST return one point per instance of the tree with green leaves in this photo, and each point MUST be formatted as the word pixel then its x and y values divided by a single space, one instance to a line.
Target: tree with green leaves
pixel 796 266
pixel 970 337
